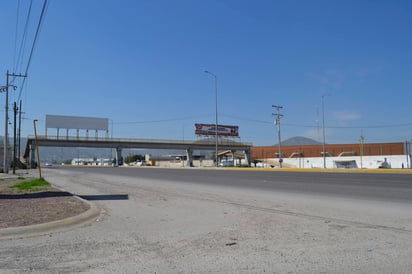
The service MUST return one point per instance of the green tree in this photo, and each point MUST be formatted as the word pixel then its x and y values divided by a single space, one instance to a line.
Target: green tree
pixel 133 158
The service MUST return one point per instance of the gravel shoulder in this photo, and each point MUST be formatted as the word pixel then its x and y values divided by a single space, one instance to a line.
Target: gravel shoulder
pixel 47 204
pixel 174 227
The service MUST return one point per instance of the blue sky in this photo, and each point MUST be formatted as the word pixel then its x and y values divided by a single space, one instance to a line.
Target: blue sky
pixel 141 64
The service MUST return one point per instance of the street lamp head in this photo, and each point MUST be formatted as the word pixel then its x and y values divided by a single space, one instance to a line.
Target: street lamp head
pixel 326 94
pixel 208 72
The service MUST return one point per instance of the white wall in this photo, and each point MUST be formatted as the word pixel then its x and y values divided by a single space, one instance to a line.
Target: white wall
pixel 196 163
pixel 395 161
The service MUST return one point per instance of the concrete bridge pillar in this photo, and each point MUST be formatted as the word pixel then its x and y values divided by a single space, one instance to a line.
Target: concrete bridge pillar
pixel 189 154
pixel 32 155
pixel 119 160
pixel 247 157
pixel 233 157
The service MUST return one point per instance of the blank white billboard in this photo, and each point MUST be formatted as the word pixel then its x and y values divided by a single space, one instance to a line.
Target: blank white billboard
pixel 74 122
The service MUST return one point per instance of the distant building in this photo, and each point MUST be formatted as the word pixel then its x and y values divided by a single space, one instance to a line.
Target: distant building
pixel 373 155
pixel 9 154
pixel 91 162
pixel 305 151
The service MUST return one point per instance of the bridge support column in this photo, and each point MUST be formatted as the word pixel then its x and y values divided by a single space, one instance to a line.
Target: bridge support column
pixel 119 160
pixel 32 156
pixel 189 154
pixel 247 157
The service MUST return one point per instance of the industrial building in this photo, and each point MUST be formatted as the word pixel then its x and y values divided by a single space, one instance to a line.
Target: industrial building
pixel 368 155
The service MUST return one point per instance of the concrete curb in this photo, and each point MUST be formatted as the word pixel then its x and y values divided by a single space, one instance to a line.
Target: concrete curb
pixel 70 223
pixel 321 170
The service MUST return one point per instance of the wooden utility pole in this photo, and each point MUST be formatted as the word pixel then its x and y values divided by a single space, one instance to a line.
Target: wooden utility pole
pixel 6 119
pixel 6 126
pixel 277 122
pixel 14 138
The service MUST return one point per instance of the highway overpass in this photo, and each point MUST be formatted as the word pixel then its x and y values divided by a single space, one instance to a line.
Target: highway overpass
pixel 125 143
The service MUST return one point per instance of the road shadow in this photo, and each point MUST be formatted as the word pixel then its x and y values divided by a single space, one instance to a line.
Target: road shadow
pixel 36 195
pixel 105 197
pixel 49 194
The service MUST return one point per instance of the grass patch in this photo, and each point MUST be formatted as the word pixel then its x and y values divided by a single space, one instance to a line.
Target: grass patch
pixel 33 184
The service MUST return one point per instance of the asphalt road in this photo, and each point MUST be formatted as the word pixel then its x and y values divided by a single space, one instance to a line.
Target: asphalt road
pixel 391 187
pixel 222 221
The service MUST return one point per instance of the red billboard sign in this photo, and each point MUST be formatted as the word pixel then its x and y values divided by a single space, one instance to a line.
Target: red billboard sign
pixel 210 129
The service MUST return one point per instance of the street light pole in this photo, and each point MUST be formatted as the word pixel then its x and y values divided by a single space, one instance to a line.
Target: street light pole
pixel 361 140
pixel 216 122
pixel 323 126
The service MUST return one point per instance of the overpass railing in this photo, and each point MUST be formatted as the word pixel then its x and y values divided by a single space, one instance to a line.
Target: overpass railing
pixel 132 140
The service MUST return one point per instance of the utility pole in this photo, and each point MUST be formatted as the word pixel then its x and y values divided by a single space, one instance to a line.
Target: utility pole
pixel 6 125
pixel 19 134
pixel 6 118
pixel 362 140
pixel 277 122
pixel 14 138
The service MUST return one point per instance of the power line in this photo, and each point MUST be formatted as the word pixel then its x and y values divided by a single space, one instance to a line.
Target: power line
pixel 41 19
pixel 315 126
pixel 246 119
pixel 23 40
pixel 356 127
pixel 159 121
pixel 16 34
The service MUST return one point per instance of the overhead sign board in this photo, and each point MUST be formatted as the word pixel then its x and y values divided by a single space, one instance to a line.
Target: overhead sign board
pixel 210 129
pixel 75 122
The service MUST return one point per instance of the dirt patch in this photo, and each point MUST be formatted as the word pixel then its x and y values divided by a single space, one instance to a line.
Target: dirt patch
pixel 46 204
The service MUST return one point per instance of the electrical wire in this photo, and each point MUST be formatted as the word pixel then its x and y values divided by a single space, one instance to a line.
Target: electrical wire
pixel 16 34
pixel 23 41
pixel 36 36
pixel 159 121
pixel 315 126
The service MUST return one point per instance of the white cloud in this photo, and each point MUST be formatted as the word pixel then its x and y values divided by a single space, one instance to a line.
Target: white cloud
pixel 330 80
pixel 314 134
pixel 365 72
pixel 345 116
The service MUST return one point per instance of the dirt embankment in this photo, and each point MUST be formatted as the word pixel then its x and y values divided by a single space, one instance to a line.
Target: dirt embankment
pixel 46 204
